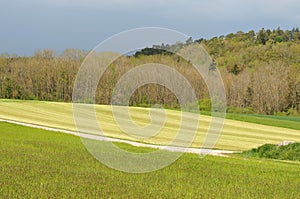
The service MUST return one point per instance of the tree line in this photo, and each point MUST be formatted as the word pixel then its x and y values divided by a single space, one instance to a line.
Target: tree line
pixel 261 73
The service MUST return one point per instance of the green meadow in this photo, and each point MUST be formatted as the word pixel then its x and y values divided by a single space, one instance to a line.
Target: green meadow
pixel 35 163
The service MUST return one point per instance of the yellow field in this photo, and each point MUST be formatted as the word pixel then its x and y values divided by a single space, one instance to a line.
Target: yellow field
pixel 236 135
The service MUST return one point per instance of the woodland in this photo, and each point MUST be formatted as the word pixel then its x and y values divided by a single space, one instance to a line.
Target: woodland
pixel 260 72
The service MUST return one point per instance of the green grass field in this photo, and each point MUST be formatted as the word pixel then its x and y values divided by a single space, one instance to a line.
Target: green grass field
pixel 270 120
pixel 36 163
pixel 236 135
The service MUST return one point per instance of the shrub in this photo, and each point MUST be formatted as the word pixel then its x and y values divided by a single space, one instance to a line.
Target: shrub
pixel 287 152
pixel 246 110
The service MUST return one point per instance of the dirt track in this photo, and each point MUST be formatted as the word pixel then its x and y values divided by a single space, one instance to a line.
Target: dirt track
pixel 137 144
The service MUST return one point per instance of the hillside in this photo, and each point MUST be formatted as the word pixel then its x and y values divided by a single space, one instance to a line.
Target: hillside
pixel 42 164
pixel 236 135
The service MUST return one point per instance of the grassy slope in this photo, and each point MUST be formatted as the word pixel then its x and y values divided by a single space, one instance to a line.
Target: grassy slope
pixel 278 121
pixel 40 164
pixel 236 135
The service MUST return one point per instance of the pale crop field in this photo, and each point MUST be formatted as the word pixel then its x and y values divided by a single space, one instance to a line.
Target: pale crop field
pixel 235 135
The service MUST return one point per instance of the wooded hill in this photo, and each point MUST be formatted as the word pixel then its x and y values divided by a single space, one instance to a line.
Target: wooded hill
pixel 261 73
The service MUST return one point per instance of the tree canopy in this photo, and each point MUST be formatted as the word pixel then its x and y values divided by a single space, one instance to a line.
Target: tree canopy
pixel 260 70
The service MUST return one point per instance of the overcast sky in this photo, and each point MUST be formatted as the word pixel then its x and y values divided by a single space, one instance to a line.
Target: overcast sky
pixel 30 25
